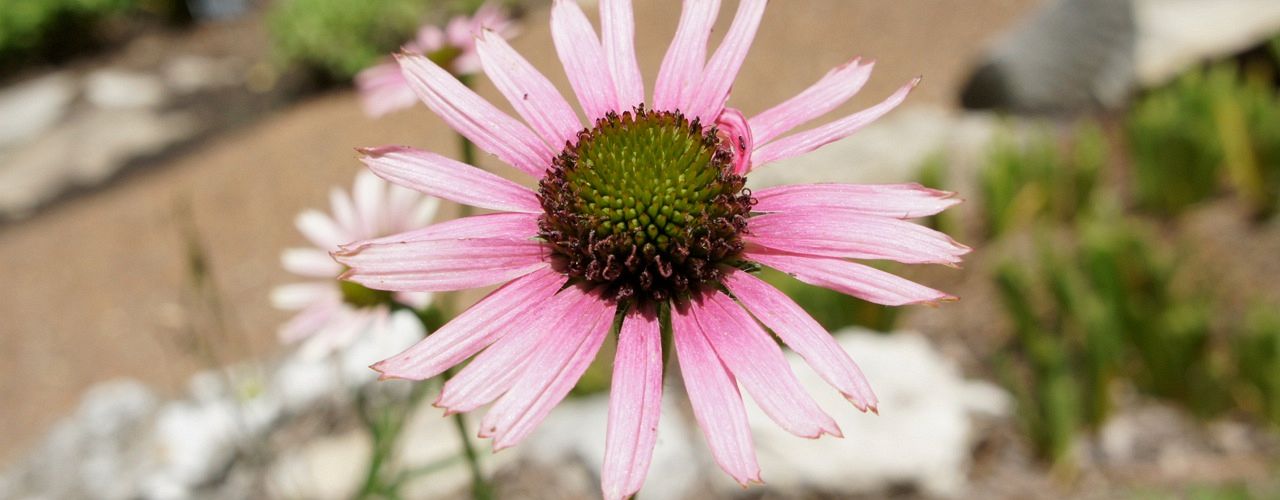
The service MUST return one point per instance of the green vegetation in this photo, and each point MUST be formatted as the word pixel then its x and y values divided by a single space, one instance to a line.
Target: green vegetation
pixel 338 38
pixel 43 28
pixel 1212 127
pixel 1037 179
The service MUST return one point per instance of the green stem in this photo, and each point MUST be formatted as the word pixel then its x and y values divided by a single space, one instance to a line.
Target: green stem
pixel 480 489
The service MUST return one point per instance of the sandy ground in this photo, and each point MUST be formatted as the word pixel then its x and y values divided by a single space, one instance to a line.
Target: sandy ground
pixel 99 287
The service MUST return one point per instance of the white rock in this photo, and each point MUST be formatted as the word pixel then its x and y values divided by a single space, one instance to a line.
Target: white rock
pixel 195 442
pixel 190 73
pixel 301 382
pixel 576 430
pixel 327 468
pixel 31 107
pixel 114 88
pixel 84 151
pixel 923 436
pixel 1174 35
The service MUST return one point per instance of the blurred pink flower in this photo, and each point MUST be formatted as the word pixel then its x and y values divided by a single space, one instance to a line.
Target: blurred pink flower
pixel 332 314
pixel 642 213
pixel 384 90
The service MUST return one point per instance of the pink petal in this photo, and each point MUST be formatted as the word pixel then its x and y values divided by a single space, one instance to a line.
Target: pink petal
pixel 452 180
pixel 833 90
pixel 310 320
pixel 711 92
pixel 617 22
pixel 583 59
pixel 804 142
pixel 804 335
pixel 499 225
pixel 713 393
pixel 864 282
pixel 476 328
pixel 557 365
pixel 529 91
pixel 758 364
pixel 494 371
pixel 441 265
pixel 474 117
pixel 321 229
pixel 900 201
pixel 733 128
pixel 635 402
pixel 383 90
pixel 846 234
pixel 682 66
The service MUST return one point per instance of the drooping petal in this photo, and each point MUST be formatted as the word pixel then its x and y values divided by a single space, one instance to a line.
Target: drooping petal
pixel 532 95
pixel 617 20
pixel 833 90
pixel 450 179
pixel 310 262
pixel 846 234
pixel 383 90
pixel 498 368
pixel 861 281
pixel 474 117
pixel 809 140
pixel 635 402
pixel 733 128
pixel 803 335
pixel 682 66
pixel 712 90
pixel 756 361
pixel 499 225
pixel 900 201
pixel 476 328
pixel 583 59
pixel 321 229
pixel 713 393
pixel 441 265
pixel 310 320
pixel 561 358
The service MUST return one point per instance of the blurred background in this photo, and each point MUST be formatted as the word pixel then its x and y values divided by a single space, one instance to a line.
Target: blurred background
pixel 1118 334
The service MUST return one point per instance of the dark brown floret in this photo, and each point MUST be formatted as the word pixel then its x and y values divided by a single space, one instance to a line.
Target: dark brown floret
pixel 646 205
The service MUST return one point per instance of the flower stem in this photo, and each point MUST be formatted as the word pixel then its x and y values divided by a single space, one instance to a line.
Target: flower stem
pixel 479 485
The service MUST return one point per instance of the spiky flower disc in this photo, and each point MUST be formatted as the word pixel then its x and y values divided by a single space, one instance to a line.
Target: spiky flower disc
pixel 645 204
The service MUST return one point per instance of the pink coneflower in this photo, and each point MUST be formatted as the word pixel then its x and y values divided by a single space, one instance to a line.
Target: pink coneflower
pixel 333 316
pixel 640 216
pixel 383 88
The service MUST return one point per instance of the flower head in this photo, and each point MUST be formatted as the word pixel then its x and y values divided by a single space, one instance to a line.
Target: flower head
pixel 334 316
pixel 383 88
pixel 641 216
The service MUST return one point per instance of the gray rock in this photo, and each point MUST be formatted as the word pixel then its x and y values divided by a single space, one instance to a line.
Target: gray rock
pixel 31 107
pixel 1070 56
pixel 119 89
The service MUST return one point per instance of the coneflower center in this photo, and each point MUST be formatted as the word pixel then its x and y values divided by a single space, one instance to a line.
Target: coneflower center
pixel 645 204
